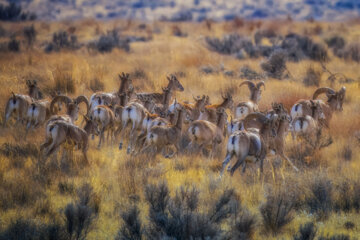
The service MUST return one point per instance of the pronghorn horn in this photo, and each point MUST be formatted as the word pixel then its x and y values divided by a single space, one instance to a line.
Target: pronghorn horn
pixel 84 99
pixel 62 98
pixel 250 84
pixel 259 84
pixel 327 90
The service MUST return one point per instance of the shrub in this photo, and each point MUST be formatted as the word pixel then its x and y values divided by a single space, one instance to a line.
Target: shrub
pixel 352 52
pixel 349 225
pixel 22 229
pixel 343 201
pixel 230 44
pixel 131 228
pixel 78 220
pixel 248 73
pixel 275 65
pixel 244 227
pixel 320 198
pixel 267 33
pixel 13 12
pixel 277 211
pixel 62 40
pixel 30 35
pixel 313 77
pixel 19 192
pixel 306 232
pixel 298 47
pixel 14 45
pixel 108 42
pixel 66 188
pixel 19 150
pixel 180 218
pixel 336 43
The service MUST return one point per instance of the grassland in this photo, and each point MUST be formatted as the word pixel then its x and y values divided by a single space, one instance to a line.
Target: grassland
pixel 38 191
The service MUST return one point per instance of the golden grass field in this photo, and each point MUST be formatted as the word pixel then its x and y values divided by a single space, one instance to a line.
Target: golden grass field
pixel 116 178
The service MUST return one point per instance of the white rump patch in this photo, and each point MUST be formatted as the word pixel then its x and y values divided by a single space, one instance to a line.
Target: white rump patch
pixel 241 112
pixel 296 113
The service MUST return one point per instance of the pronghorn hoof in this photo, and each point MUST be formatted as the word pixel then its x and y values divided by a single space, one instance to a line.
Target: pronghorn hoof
pixel 120 146
pixel 92 137
pixel 229 168
pixel 128 151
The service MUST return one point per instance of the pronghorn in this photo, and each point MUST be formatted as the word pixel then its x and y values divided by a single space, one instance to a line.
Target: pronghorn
pixel 192 110
pixel 207 134
pixel 118 98
pixel 162 137
pixel 244 108
pixel 59 132
pixel 150 121
pixel 162 108
pixel 173 85
pixel 37 113
pixel 334 103
pixel 104 117
pixel 209 112
pixel 250 145
pixel 33 90
pixel 134 112
pixel 19 105
pixel 277 144
pixel 235 125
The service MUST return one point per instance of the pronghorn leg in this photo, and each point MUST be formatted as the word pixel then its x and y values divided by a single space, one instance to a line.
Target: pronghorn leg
pixel 239 161
pixel 225 162
pixel 289 161
pixel 122 133
pixel 101 137
pixel 145 147
pixel 133 136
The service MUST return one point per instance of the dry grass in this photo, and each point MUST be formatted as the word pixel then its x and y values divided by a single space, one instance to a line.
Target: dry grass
pixel 42 191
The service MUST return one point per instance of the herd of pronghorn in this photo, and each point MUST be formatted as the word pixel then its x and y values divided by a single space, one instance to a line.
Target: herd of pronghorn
pixel 158 123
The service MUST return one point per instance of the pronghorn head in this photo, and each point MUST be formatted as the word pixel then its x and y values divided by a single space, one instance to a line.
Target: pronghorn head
pixel 72 105
pixel 255 89
pixel 228 100
pixel 125 82
pixel 277 108
pixel 200 102
pixel 335 99
pixel 90 126
pixel 174 83
pixel 268 125
pixel 33 89
pixel 148 103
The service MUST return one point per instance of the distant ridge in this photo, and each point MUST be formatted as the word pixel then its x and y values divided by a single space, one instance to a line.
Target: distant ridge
pixel 192 10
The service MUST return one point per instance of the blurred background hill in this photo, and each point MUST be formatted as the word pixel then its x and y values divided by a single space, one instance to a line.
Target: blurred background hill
pixel 191 10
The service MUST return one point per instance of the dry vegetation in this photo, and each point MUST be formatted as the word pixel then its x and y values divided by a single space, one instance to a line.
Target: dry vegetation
pixel 123 197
